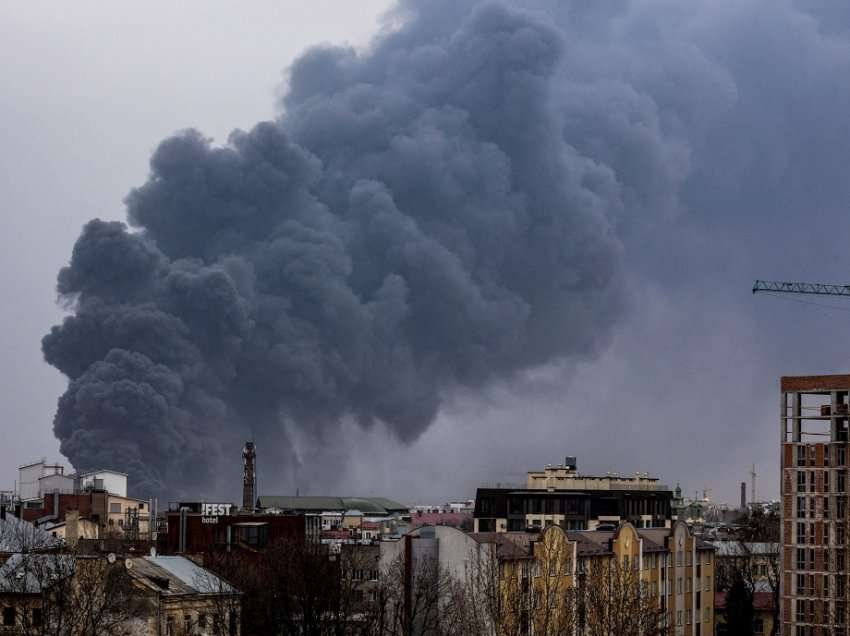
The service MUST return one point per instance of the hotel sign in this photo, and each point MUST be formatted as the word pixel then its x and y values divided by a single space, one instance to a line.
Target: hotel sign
pixel 210 512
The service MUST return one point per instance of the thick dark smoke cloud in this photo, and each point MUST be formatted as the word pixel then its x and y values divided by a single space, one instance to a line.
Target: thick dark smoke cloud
pixel 415 222
pixel 490 188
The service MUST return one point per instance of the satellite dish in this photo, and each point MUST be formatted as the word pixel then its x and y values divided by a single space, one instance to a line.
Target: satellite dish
pixel 153 552
pixel 128 563
pixel 110 557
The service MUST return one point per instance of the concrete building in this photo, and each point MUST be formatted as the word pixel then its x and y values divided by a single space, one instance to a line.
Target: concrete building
pixel 561 496
pixel 199 527
pixel 814 412
pixel 114 515
pixel 326 515
pixel 30 478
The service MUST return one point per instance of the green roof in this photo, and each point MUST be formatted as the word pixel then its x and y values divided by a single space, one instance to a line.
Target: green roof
pixel 366 505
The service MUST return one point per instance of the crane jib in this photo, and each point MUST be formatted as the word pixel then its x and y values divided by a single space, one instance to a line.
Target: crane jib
pixel 801 288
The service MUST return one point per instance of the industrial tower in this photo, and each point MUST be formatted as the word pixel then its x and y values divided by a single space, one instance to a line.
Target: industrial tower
pixel 249 479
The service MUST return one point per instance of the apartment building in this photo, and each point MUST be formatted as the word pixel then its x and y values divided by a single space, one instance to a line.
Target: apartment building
pixel 814 438
pixel 560 495
pixel 577 580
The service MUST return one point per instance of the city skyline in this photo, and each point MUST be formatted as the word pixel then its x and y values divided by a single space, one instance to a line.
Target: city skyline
pixel 709 171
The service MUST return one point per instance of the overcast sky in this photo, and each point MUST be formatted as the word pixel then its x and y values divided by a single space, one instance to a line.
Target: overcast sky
pixel 746 176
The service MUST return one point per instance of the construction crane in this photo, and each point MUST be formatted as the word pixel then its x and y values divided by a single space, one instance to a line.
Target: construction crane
pixel 819 289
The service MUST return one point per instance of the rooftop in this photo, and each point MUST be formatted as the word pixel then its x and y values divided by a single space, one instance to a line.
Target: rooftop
pixel 177 575
pixel 366 505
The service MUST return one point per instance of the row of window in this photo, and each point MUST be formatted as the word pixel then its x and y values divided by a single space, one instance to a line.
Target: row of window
pixel 807 507
pixel 200 623
pixel 10 617
pixel 358 574
pixel 805 585
pixel 806 455
pixel 806 560
pixel 806 480
pixel 806 533
pixel 706 616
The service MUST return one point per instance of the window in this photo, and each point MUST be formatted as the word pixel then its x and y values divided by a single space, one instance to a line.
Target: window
pixel 801 481
pixel 801 455
pixel 115 507
pixel 202 621
pixel 826 507
pixel 8 616
pixel 706 615
pixel 801 558
pixel 688 617
pixel 840 456
pixel 826 585
pixel 687 585
pixel 357 575
pixel 187 624
pixel 826 455
pixel 707 584
pixel 841 481
pixel 801 584
pixel 553 567
pixel 758 626
pixel 535 569
pixel 801 507
pixel 169 626
pixel 679 617
pixel 812 481
pixel 801 532
pixel 679 585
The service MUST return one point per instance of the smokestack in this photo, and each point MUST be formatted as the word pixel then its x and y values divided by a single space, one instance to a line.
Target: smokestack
pixel 743 495
pixel 249 479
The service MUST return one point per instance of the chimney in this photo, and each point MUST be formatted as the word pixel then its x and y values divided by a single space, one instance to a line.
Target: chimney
pixel 249 478
pixel 743 495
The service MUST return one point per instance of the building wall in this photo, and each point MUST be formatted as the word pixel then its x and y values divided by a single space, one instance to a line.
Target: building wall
pixel 113 482
pixel 183 616
pixel 56 483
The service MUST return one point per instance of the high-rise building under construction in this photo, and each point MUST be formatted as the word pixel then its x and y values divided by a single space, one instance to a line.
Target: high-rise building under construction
pixel 814 427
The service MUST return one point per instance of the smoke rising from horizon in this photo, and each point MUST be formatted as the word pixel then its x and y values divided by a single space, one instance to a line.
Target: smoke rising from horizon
pixel 409 226
pixel 473 197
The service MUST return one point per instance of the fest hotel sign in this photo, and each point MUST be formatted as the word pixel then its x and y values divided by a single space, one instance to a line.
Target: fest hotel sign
pixel 211 512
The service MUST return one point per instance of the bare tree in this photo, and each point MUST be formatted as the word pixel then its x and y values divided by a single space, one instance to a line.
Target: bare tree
pixel 67 595
pixel 614 600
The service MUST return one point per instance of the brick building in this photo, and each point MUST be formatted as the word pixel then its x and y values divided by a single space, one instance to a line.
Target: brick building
pixel 814 438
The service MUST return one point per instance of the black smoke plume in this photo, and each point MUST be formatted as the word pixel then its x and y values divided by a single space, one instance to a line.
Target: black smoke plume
pixel 412 224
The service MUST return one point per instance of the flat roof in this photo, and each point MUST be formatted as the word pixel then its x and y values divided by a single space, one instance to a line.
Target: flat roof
pixel 815 383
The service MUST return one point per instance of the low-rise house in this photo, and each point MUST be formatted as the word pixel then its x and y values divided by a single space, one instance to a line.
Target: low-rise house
pixel 106 596
pixel 187 599
pixel 764 613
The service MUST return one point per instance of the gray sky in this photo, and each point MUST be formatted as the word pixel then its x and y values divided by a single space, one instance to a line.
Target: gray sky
pixel 743 176
pixel 87 91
